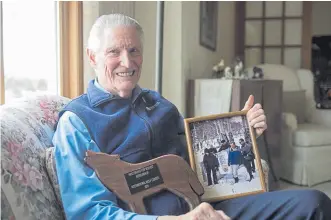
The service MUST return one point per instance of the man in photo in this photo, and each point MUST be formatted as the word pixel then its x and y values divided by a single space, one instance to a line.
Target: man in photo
pixel 224 145
pixel 234 161
pixel 252 161
pixel 248 157
pixel 211 146
pixel 211 165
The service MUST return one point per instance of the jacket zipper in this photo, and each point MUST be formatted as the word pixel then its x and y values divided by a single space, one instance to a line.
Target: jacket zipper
pixel 151 134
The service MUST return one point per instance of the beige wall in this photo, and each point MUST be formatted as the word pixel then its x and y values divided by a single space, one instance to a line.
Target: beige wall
pixel 123 7
pixel 183 57
pixel 197 61
pixel 145 14
pixel 90 13
pixel 172 86
pixel 321 18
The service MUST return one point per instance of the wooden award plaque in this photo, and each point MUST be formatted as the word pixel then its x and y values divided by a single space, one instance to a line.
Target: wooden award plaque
pixel 133 182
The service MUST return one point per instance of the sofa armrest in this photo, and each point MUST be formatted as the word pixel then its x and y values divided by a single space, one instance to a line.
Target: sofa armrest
pixel 27 127
pixel 289 121
pixel 321 117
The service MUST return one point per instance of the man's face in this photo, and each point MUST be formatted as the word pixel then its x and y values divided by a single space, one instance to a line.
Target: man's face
pixel 122 59
pixel 233 145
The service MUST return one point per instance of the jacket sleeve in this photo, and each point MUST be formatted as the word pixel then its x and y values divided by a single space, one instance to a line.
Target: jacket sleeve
pixel 246 148
pixel 83 195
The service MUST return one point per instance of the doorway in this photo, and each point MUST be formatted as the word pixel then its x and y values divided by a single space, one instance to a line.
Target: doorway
pixel 321 53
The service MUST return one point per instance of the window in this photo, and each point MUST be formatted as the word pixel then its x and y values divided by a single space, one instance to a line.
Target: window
pixel 274 32
pixel 29 35
pixel 40 49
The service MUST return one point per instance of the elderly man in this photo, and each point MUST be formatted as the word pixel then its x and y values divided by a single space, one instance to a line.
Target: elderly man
pixel 116 116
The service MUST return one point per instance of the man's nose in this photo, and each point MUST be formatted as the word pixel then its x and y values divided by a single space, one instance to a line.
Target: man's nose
pixel 125 59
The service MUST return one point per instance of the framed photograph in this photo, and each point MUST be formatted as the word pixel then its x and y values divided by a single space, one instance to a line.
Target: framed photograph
pixel 223 152
pixel 208 24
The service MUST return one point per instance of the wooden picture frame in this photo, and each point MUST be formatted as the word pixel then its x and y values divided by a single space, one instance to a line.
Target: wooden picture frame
pixel 204 135
pixel 208 24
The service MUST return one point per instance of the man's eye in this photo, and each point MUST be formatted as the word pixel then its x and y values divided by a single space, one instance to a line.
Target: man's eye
pixel 113 52
pixel 134 51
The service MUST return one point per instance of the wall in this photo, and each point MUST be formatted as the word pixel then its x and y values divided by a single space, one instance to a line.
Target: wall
pixel 108 7
pixel 321 18
pixel 183 57
pixel 197 60
pixel 172 85
pixel 148 22
pixel 90 13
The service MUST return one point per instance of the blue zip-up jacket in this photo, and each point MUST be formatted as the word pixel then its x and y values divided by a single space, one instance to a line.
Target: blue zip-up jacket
pixel 234 157
pixel 138 129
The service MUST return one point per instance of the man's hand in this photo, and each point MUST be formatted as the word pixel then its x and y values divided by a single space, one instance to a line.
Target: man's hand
pixel 255 116
pixel 202 212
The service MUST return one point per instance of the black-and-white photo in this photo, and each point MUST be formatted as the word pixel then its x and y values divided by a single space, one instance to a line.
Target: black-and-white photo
pixel 224 157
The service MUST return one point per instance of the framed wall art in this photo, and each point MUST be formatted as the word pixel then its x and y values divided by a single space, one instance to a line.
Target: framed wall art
pixel 208 24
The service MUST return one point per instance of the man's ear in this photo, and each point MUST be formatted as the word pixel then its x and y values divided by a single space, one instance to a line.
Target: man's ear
pixel 91 56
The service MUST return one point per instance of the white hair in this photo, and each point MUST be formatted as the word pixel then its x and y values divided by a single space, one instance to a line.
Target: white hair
pixel 104 25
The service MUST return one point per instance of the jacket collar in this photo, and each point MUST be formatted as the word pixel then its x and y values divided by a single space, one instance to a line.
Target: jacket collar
pixel 97 95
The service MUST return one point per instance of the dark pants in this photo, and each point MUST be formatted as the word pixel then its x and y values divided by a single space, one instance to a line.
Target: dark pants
pixel 211 171
pixel 248 165
pixel 253 165
pixel 286 204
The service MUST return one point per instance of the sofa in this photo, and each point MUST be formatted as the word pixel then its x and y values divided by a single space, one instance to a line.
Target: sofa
pixel 29 188
pixel 306 130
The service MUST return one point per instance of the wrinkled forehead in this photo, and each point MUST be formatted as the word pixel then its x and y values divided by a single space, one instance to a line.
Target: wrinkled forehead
pixel 121 37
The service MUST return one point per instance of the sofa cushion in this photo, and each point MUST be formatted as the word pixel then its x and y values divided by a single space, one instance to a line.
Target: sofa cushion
pixel 308 135
pixel 294 102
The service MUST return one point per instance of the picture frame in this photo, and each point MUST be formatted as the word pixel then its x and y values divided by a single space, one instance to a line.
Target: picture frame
pixel 208 24
pixel 209 157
